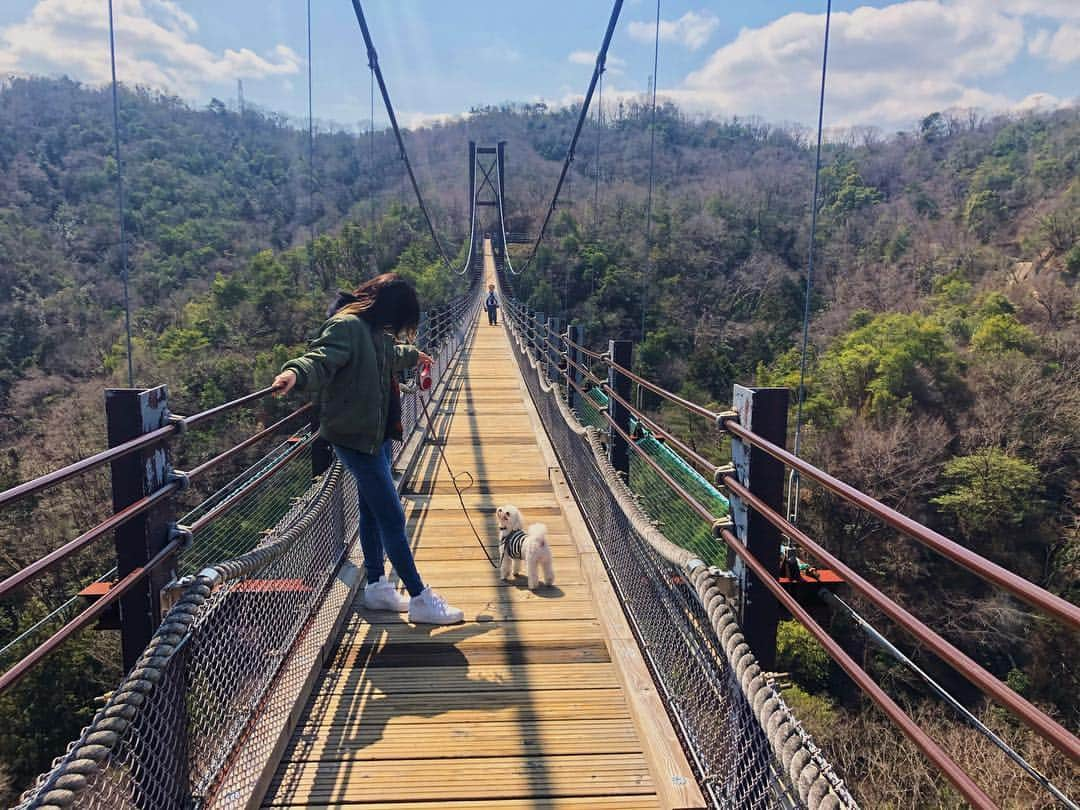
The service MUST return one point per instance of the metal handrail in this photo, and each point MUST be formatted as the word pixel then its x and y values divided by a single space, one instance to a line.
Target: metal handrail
pixel 58 555
pixel 115 521
pixel 89 463
pixel 964 783
pixel 1039 722
pixel 221 458
pixel 988 684
pixel 229 504
pixel 1065 611
pixel 16 672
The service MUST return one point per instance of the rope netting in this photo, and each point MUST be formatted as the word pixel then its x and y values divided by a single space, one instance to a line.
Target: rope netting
pixel 746 747
pixel 197 720
pixel 216 673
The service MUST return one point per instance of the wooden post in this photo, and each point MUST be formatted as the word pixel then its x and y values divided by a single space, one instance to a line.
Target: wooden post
pixel 576 336
pixel 130 412
pixel 621 352
pixel 764 411
pixel 539 323
pixel 553 358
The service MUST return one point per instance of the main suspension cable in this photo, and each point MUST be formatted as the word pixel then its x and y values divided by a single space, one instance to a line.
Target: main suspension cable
pixel 793 479
pixel 502 224
pixel 598 70
pixel 373 63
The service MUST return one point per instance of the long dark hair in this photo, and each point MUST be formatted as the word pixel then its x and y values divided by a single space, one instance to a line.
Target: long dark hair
pixel 386 302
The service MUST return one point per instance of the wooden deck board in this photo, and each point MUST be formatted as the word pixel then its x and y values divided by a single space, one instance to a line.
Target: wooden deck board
pixel 524 706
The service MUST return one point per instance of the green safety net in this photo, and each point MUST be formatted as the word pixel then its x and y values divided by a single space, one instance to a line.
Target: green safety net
pixel 674 517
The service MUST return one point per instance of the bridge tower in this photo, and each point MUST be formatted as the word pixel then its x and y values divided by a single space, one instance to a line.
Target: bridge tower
pixel 488 185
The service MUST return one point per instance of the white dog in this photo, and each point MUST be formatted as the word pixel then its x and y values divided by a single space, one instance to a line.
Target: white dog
pixel 517 544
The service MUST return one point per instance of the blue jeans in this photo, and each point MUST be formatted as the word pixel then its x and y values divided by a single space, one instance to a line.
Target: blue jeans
pixel 382 520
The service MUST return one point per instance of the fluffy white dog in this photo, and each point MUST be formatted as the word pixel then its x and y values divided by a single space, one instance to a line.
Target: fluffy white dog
pixel 517 544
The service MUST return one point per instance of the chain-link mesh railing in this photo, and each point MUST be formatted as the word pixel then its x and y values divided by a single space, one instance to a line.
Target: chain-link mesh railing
pixel 167 735
pixel 746 748
pixel 196 721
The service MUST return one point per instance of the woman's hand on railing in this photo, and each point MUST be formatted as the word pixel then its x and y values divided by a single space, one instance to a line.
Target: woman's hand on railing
pixel 284 382
pixel 423 358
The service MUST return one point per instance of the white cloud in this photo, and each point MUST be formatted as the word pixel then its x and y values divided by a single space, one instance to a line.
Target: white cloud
pixel 692 29
pixel 1059 47
pixel 154 46
pixel 1050 9
pixel 419 120
pixel 887 66
pixel 614 65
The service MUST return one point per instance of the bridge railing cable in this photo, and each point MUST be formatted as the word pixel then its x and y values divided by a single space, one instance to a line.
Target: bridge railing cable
pixel 539 343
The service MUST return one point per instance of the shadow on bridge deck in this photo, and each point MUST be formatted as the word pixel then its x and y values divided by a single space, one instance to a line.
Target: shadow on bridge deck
pixel 520 707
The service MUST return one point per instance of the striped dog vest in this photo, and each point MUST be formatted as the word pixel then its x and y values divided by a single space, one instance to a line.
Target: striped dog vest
pixel 512 543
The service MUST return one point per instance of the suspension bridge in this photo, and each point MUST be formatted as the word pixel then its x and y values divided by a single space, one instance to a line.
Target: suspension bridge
pixel 643 678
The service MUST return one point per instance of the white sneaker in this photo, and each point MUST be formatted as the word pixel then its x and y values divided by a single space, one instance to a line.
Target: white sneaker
pixel 382 595
pixel 430 608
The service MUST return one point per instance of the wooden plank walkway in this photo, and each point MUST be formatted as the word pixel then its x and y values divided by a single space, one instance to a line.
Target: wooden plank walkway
pixel 523 707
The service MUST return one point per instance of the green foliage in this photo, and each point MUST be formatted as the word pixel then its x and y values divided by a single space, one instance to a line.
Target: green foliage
pixel 799 653
pixel 1018 681
pixel 1072 260
pixel 178 343
pixel 990 491
pixel 984 212
pixel 1002 333
pixel 892 361
pixel 843 189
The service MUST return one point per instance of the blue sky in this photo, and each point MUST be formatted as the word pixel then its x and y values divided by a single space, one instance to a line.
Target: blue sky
pixel 891 62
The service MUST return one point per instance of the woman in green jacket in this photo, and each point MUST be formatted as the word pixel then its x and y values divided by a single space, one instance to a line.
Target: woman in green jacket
pixel 351 366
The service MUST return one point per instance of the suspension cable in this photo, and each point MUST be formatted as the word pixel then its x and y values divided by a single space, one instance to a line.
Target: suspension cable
pixel 598 70
pixel 599 132
pixel 652 161
pixel 502 224
pixel 373 63
pixel 311 153
pixel 793 479
pixel 120 196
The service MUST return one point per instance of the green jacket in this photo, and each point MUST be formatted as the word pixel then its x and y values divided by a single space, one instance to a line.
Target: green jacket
pixel 349 366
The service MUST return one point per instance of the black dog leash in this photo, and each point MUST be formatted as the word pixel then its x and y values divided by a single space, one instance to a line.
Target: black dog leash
pixel 453 480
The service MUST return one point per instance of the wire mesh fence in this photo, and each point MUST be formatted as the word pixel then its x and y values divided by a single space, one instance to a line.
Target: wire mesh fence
pixel 673 516
pixel 171 732
pixel 261 504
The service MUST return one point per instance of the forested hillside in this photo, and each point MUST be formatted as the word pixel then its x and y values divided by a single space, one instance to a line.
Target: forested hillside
pixel 945 336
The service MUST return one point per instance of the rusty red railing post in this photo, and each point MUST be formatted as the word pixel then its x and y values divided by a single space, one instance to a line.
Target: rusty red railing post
pixel 130 412
pixel 763 410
